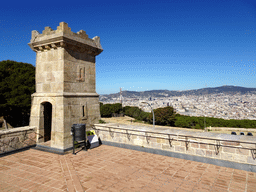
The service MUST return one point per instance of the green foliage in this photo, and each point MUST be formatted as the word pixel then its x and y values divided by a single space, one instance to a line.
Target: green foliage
pixel 198 126
pixel 198 122
pixel 17 83
pixel 136 113
pixel 167 116
pixel 116 108
pixel 105 110
pixel 191 122
pixel 164 116
pixel 108 110
pixel 132 112
pixel 138 121
pixel 182 121
pixel 144 116
pixel 102 121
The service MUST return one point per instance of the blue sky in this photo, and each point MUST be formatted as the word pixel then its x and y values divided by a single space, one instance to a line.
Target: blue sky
pixel 148 45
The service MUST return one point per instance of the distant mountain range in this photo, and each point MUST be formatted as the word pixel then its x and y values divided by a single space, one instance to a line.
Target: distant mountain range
pixel 226 89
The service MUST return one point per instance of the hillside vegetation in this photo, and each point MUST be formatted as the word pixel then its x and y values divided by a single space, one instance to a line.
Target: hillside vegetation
pixel 17 83
pixel 168 116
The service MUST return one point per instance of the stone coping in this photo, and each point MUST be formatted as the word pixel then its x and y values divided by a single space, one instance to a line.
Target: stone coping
pixel 231 129
pixel 18 129
pixel 43 39
pixel 199 135
pixel 65 94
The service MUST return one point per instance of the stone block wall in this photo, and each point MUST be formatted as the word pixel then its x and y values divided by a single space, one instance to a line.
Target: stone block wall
pixel 17 138
pixel 232 148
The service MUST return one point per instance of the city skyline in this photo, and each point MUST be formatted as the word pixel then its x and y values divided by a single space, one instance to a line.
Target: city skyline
pixel 173 45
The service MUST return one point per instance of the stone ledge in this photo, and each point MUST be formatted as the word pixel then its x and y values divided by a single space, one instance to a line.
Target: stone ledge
pixel 186 133
pixel 231 129
pixel 65 94
pixel 18 129
pixel 17 138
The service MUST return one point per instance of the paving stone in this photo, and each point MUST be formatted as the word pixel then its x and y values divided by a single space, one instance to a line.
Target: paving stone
pixel 116 169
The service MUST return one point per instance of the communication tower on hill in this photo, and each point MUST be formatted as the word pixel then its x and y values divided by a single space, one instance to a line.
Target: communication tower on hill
pixel 121 95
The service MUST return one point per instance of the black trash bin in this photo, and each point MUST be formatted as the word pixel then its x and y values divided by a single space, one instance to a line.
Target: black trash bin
pixel 79 136
pixel 79 130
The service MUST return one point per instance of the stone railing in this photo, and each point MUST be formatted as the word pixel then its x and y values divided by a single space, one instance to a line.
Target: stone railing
pixel 232 148
pixel 237 130
pixel 17 138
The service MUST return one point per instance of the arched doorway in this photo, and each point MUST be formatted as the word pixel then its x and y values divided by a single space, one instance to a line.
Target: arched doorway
pixel 47 120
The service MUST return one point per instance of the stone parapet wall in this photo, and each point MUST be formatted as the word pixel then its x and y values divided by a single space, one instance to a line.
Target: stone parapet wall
pixel 17 138
pixel 234 148
pixel 238 130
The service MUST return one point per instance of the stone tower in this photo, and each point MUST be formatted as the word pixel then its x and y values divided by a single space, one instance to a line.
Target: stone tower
pixel 65 84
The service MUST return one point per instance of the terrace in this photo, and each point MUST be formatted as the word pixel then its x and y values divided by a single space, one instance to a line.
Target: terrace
pixel 131 158
pixel 108 168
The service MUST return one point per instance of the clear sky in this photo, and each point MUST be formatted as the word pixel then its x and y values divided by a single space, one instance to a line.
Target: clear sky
pixel 148 44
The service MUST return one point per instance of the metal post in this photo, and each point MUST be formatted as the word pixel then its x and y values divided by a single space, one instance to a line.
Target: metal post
pixel 85 141
pixel 73 138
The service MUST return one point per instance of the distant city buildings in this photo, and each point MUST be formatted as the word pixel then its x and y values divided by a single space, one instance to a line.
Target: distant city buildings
pixel 225 106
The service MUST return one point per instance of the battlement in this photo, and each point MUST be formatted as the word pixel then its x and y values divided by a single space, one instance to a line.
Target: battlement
pixel 51 39
pixel 62 28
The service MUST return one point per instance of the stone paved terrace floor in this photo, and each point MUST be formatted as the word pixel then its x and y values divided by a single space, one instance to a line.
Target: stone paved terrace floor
pixel 108 168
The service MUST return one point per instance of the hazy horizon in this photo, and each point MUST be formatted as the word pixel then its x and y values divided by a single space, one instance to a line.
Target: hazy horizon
pixel 178 90
pixel 148 45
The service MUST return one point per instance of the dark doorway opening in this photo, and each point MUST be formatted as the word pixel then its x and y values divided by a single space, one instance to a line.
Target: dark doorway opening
pixel 47 121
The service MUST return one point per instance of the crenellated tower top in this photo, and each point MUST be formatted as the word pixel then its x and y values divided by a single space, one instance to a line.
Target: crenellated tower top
pixel 64 37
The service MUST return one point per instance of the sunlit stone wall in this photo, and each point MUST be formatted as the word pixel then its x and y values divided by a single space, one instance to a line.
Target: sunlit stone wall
pixel 17 138
pixel 206 146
